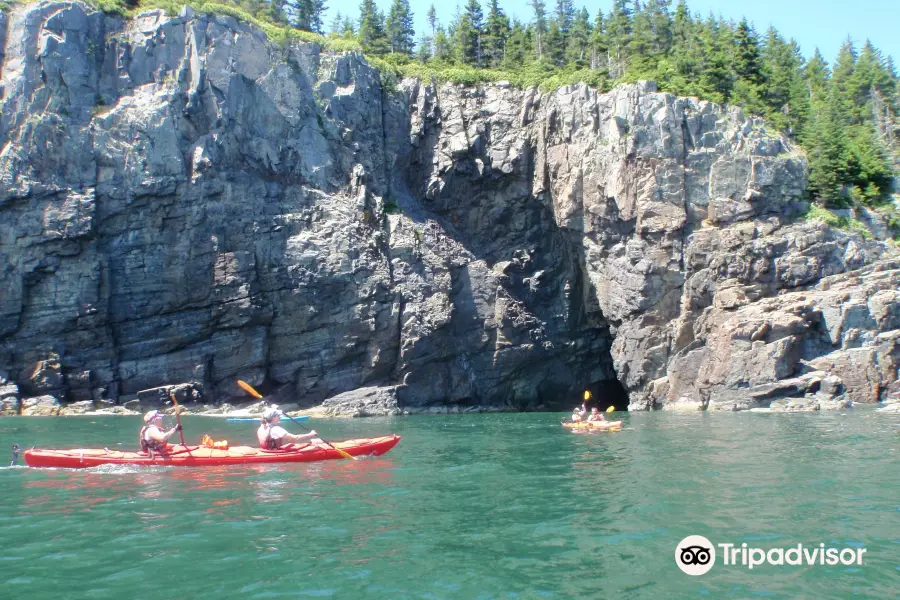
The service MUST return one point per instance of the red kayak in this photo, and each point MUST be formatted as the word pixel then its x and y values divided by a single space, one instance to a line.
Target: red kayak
pixel 201 456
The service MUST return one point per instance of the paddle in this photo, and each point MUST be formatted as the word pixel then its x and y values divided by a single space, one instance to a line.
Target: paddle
pixel 178 420
pixel 249 389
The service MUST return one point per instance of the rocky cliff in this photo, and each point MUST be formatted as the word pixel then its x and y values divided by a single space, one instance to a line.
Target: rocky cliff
pixel 183 201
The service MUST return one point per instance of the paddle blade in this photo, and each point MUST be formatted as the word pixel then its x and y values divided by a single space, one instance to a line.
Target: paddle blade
pixel 587 395
pixel 611 408
pixel 344 454
pixel 248 388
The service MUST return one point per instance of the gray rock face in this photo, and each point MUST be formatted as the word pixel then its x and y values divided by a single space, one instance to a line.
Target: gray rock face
pixel 364 402
pixel 183 201
pixel 9 399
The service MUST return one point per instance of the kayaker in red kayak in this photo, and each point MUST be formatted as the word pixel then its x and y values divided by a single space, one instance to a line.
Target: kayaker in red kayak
pixel 272 436
pixel 152 438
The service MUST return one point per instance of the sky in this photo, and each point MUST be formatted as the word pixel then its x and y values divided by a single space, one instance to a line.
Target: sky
pixel 822 23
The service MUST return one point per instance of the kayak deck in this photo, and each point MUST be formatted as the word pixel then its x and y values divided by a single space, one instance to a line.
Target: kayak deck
pixel 200 456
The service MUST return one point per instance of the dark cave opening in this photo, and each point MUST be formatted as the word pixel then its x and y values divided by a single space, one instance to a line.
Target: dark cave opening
pixel 607 393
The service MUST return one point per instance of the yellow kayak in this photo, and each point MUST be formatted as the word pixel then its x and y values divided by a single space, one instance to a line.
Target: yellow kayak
pixel 594 425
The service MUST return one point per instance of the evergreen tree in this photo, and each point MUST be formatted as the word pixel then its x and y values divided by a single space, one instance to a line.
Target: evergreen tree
pixel 686 55
pixel 716 76
pixel 400 32
pixel 618 31
pixel 782 68
pixel 348 29
pixel 337 24
pixel 443 50
pixel 562 23
pixel 372 36
pixel 432 19
pixel 554 46
pixel 816 75
pixel 274 10
pixel 432 23
pixel 496 32
pixel 747 61
pixel 577 50
pixel 476 20
pixel 868 168
pixel 305 14
pixel 540 25
pixel 799 105
pixel 842 79
pixel 661 23
pixel 518 47
pixel 827 155
pixel 599 43
pixel 871 82
pixel 318 14
pixel 641 62
pixel 425 50
pixel 463 34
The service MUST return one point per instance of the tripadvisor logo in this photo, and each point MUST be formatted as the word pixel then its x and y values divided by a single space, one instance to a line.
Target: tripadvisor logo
pixel 696 555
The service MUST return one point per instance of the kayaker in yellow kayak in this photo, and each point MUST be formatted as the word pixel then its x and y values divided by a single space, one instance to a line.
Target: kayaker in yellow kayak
pixel 272 436
pixel 578 414
pixel 595 415
pixel 152 438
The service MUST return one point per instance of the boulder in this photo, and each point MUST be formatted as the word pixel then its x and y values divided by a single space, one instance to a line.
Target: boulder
pixel 41 406
pixel 159 397
pixel 77 408
pixel 42 376
pixel 364 402
pixel 9 399
pixel 795 405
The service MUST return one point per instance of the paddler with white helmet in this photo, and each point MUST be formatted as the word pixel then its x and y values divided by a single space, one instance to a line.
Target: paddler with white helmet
pixel 152 437
pixel 273 436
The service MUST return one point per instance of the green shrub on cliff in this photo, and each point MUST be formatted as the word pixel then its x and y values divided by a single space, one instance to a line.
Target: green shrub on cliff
pixel 823 215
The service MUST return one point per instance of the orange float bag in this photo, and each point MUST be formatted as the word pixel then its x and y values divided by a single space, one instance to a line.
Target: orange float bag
pixel 208 442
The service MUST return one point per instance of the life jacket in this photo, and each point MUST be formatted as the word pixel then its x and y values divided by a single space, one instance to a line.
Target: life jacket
pixel 150 446
pixel 269 443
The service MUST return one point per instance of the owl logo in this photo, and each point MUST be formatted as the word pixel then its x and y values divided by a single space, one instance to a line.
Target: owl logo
pixel 695 555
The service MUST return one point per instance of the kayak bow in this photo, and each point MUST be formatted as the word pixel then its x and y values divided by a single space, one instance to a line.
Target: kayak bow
pixel 200 456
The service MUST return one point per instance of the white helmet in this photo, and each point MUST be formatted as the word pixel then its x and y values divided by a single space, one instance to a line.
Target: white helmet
pixel 270 414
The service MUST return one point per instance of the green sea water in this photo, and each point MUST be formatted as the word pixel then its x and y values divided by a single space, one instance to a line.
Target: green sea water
pixel 466 506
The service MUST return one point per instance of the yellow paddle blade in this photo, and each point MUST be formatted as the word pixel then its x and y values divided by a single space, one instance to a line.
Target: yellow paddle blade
pixel 248 388
pixel 611 408
pixel 587 395
pixel 344 454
